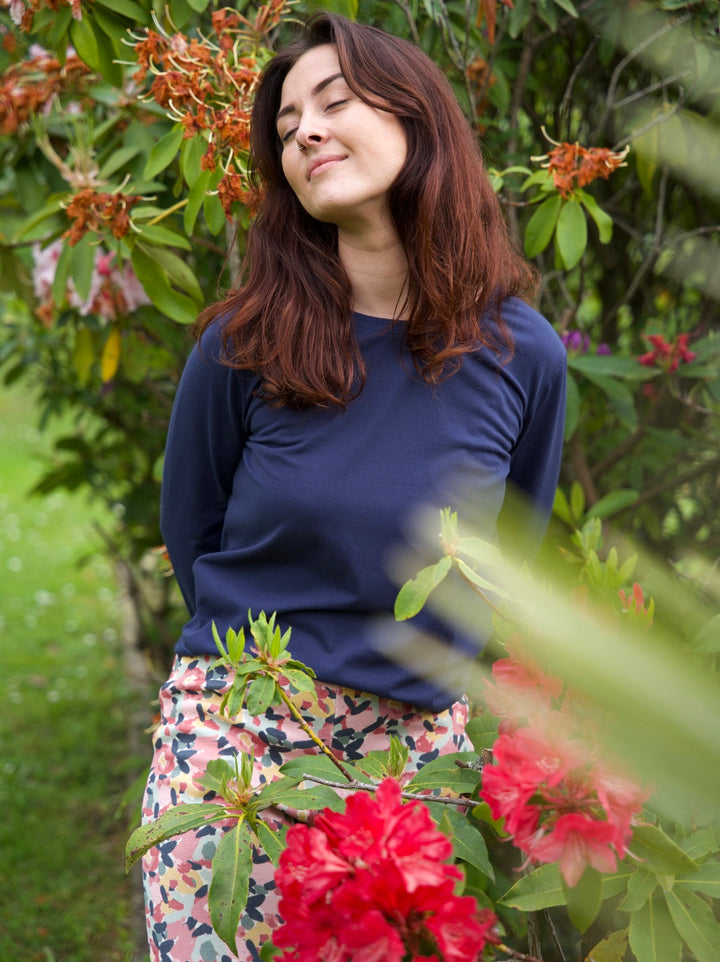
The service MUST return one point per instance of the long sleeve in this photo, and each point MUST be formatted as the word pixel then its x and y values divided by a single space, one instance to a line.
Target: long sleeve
pixel 204 447
pixel 535 467
pixel 535 462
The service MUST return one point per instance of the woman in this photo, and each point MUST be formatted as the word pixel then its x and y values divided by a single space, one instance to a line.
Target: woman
pixel 375 357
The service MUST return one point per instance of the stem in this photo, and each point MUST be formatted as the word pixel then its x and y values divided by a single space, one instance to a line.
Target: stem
pixel 413 796
pixel 514 954
pixel 478 591
pixel 166 213
pixel 311 734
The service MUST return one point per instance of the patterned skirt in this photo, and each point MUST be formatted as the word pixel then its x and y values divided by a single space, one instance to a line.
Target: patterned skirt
pixel 176 874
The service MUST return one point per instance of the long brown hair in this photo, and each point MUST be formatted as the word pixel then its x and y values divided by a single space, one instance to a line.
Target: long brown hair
pixel 289 319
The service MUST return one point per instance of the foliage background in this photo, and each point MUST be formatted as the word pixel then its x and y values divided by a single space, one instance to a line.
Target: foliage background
pixel 93 164
pixel 620 259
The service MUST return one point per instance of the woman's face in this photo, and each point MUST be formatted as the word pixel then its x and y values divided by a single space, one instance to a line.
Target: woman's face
pixel 339 154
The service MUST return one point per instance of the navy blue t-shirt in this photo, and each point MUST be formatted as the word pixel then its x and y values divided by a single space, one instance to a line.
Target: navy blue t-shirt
pixel 300 511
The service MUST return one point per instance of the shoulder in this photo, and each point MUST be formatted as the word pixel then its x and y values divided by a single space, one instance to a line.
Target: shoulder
pixel 536 343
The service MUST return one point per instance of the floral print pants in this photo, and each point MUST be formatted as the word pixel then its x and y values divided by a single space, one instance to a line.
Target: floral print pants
pixel 176 873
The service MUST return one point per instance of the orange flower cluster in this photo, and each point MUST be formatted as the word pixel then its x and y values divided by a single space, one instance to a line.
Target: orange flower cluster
pixel 208 85
pixel 574 166
pixel 22 12
pixel 29 87
pixel 92 210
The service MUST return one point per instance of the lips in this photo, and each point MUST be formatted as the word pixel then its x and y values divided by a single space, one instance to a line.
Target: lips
pixel 318 164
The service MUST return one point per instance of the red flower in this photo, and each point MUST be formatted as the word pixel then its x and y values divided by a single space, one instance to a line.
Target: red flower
pixel 577 840
pixel 519 687
pixel 558 804
pixel 574 166
pixel 371 885
pixel 667 354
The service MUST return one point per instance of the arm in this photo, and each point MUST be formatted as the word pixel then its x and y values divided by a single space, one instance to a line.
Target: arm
pixel 535 465
pixel 204 447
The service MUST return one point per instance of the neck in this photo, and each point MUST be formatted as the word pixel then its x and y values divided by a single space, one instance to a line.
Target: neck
pixel 376 266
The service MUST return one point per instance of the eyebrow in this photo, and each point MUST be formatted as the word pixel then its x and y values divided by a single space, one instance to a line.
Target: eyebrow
pixel 318 88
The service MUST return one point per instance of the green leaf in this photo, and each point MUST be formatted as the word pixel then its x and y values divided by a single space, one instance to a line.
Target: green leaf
pixel 468 843
pixel 612 503
pixel 271 842
pixel 571 233
pixel 613 365
pixel 541 226
pixel 640 887
pixel 658 851
pixel 310 799
pixel 175 821
pixel 707 639
pixel 705 880
pixel 484 552
pixel 214 214
pixel 567 6
pixel 695 921
pixel 83 264
pixel 413 595
pixel 299 680
pixel 583 900
pixel 118 158
pixel 260 695
pixel 481 582
pixel 177 271
pixel 217 774
pixel 231 868
pixel 321 767
pixel 271 791
pixel 62 273
pixel 482 730
pixel 158 235
pixel 619 396
pixel 541 889
pixel 652 935
pixel 572 407
pixel 85 41
pixel 164 152
pixel 611 949
pixel 192 153
pixel 156 283
pixel 442 772
pixel 195 200
pixel 603 221
pixel 577 501
pixel 127 8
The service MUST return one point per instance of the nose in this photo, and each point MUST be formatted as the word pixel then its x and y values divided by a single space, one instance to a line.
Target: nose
pixel 311 132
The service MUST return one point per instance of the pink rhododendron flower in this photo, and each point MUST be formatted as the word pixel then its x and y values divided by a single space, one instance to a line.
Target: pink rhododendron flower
pixel 557 802
pixel 112 291
pixel 519 687
pixel 372 884
pixel 576 841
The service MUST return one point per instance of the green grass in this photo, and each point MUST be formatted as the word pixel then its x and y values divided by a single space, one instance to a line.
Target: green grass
pixel 65 722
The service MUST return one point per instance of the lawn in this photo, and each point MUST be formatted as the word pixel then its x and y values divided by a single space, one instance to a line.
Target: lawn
pixel 68 722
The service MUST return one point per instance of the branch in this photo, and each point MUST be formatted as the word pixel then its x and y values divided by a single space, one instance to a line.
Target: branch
pixel 582 470
pixel 659 119
pixel 639 94
pixel 565 102
pixel 652 254
pixel 413 796
pixel 676 481
pixel 626 60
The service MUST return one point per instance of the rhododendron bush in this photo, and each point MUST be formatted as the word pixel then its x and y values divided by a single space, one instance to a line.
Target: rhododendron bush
pixel 124 142
pixel 550 810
